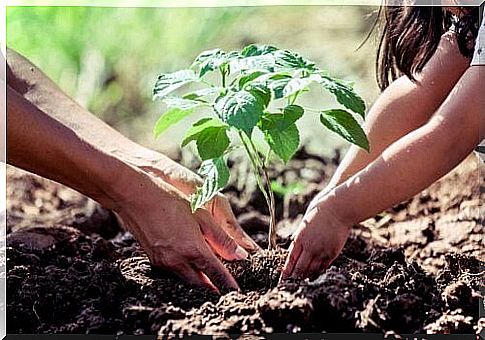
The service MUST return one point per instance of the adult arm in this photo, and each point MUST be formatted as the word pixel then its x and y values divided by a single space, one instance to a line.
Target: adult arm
pixel 29 81
pixel 71 152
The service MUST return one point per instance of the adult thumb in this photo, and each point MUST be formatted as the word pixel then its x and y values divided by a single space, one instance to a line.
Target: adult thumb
pixel 219 240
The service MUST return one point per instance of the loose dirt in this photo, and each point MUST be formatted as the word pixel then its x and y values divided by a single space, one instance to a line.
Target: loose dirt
pixel 414 268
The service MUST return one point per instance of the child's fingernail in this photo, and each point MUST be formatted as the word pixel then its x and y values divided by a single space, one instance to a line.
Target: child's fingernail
pixel 241 254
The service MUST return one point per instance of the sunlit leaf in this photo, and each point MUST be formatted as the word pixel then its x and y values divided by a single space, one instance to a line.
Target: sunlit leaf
pixel 344 124
pixel 210 136
pixel 280 131
pixel 178 109
pixel 241 110
pixel 344 94
pixel 170 82
pixel 216 177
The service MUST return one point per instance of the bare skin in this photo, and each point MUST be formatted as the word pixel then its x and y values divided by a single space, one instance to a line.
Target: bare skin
pixel 51 135
pixel 418 132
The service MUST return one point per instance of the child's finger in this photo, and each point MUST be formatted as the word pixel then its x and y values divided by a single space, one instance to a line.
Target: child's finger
pixel 294 253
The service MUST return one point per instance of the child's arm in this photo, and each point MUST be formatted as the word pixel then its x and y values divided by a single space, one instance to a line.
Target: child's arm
pixel 405 106
pixel 405 168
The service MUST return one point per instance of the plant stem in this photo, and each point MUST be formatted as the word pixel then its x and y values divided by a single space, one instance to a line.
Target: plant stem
pixel 255 166
pixel 266 159
pixel 259 169
pixel 272 212
pixel 294 97
pixel 271 202
pixel 223 75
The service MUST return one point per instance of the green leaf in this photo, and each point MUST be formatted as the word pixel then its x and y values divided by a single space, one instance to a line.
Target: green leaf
pixel 262 92
pixel 211 138
pixel 280 131
pixel 263 62
pixel 296 85
pixel 291 60
pixel 241 110
pixel 200 126
pixel 289 189
pixel 344 124
pixel 178 109
pixel 209 61
pixel 277 85
pixel 202 94
pixel 292 113
pixel 212 60
pixel 181 103
pixel 206 55
pixel 256 50
pixel 248 78
pixel 169 82
pixel 344 94
pixel 284 143
pixel 216 175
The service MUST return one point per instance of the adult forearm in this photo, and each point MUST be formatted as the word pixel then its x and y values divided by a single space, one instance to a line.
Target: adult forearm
pixel 40 144
pixel 31 83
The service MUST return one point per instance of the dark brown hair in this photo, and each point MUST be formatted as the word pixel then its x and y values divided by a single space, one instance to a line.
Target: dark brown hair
pixel 409 36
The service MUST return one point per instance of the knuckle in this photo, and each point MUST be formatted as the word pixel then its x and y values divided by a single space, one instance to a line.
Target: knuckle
pixel 165 261
pixel 191 252
pixel 204 262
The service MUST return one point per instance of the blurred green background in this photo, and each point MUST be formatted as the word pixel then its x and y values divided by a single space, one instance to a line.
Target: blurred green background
pixel 109 58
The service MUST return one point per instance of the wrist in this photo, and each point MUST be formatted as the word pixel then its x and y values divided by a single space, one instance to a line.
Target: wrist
pixel 108 181
pixel 341 213
pixel 136 170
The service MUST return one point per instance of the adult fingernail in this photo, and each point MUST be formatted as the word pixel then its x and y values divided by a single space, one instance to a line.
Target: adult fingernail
pixel 249 244
pixel 241 254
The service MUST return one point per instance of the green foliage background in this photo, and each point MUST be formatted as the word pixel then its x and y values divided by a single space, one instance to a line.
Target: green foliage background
pixel 109 58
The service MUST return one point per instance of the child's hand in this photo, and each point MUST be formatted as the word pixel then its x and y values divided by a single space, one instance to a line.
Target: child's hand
pixel 317 242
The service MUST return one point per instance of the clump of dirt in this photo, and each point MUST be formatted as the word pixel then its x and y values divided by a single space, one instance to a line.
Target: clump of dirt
pixel 260 272
pixel 380 294
pixel 61 281
pixel 72 269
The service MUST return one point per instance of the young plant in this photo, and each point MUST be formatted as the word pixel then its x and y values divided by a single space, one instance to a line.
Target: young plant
pixel 258 88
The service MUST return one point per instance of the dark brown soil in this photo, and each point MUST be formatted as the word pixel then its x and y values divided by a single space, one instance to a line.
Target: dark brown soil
pixel 414 268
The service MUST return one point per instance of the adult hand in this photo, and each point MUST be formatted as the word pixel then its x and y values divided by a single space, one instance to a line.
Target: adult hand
pixel 160 218
pixel 146 189
pixel 176 175
pixel 318 240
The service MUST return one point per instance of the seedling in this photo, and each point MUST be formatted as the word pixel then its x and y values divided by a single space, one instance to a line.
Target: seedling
pixel 257 88
pixel 286 192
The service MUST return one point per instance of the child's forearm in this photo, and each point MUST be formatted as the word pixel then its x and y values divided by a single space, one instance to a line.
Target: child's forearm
pixel 418 159
pixel 405 106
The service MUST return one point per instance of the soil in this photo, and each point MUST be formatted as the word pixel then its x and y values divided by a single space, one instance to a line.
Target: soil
pixel 416 268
